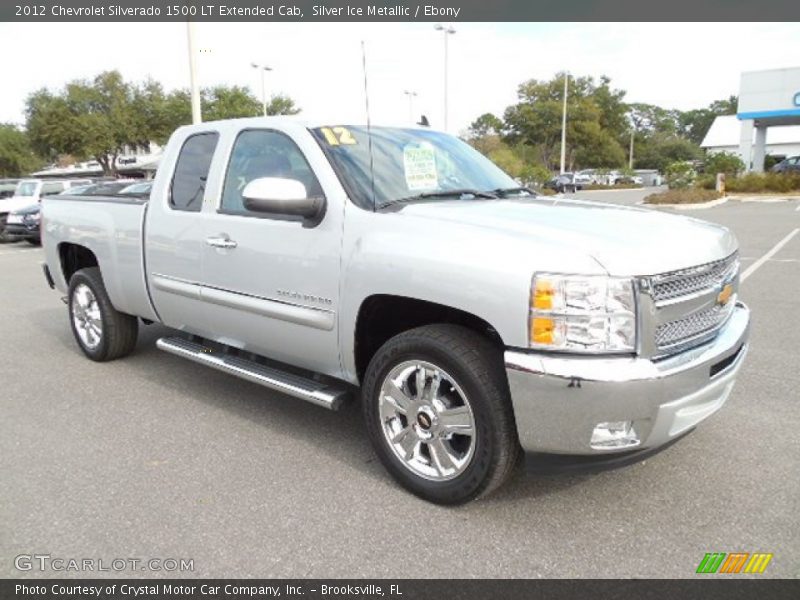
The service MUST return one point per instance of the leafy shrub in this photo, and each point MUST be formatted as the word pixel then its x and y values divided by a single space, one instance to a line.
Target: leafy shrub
pixel 682 196
pixel 781 183
pixel 723 162
pixel 706 182
pixel 680 175
pixel 534 175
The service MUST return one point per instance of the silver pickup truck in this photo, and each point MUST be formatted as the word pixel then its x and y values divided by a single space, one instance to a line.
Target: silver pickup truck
pixel 477 319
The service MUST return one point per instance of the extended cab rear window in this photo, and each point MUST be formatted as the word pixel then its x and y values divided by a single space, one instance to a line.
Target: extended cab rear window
pixel 191 172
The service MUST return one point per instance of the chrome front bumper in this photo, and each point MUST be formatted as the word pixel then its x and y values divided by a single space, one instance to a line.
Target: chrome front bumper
pixel 558 400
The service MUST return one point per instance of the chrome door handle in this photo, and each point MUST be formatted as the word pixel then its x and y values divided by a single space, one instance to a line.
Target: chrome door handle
pixel 221 242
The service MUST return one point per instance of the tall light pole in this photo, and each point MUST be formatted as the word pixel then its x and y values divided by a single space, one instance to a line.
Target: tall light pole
pixel 446 31
pixel 411 94
pixel 263 69
pixel 564 124
pixel 197 117
pixel 630 154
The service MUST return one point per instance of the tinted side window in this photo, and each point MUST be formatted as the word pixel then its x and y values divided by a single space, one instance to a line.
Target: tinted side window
pixel 261 153
pixel 191 172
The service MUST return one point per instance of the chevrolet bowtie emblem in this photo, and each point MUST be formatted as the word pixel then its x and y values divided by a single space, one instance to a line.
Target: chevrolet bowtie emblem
pixel 725 294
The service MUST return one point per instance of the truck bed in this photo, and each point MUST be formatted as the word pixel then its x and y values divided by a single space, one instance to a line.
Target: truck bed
pixel 112 227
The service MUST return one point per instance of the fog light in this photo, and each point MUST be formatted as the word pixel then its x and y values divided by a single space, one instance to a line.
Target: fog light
pixel 614 434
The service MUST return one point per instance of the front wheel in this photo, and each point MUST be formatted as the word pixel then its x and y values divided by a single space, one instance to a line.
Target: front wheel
pixel 438 412
pixel 102 332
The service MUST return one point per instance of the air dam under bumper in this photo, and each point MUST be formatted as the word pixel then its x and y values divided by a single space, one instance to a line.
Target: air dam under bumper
pixel 559 400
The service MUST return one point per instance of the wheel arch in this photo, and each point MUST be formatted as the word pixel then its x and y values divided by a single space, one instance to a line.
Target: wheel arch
pixel 382 316
pixel 73 257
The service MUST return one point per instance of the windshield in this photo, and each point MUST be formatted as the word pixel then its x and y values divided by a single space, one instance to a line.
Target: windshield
pixel 408 164
pixel 26 188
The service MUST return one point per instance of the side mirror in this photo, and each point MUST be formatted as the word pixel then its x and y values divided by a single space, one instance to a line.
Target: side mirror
pixel 280 196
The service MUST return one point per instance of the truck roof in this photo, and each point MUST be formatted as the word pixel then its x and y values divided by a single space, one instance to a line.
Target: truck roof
pixel 236 124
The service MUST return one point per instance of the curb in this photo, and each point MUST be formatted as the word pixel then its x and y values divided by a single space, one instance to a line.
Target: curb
pixel 765 199
pixel 698 206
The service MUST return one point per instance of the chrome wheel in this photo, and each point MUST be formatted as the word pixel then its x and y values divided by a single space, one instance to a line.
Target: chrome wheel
pixel 86 316
pixel 427 420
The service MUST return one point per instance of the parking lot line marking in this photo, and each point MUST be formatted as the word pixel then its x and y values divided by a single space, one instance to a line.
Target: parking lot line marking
pixel 773 251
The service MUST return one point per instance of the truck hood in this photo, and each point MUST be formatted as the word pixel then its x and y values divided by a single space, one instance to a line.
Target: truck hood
pixel 8 205
pixel 624 240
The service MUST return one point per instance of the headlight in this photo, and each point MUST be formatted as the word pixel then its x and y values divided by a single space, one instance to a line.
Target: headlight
pixel 582 314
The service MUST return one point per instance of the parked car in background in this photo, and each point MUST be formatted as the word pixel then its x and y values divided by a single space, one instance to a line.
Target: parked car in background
pixel 788 165
pixel 568 182
pixel 140 190
pixel 31 191
pixel 107 188
pixel 7 187
pixel 23 224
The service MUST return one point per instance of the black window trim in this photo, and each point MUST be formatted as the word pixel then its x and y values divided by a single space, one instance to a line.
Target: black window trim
pixel 170 204
pixel 272 217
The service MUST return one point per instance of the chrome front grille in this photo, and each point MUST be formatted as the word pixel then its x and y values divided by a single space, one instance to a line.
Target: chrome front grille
pixel 686 306
pixel 692 329
pixel 676 284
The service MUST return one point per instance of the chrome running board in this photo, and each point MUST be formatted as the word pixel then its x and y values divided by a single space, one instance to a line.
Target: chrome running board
pixel 322 394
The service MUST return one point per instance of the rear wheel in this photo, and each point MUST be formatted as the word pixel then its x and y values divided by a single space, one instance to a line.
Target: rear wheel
pixel 438 413
pixel 102 332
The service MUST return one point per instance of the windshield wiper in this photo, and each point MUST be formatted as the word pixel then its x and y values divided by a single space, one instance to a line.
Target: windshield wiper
pixel 505 192
pixel 457 193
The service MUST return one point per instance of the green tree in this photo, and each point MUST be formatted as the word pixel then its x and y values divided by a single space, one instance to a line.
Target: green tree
pixel 98 118
pixel 595 125
pixel 281 104
pixel 94 118
pixel 695 124
pixel 723 162
pixel 16 155
pixel 658 150
pixel 486 124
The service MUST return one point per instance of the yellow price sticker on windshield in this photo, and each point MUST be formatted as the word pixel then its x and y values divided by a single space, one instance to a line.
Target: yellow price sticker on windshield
pixel 337 136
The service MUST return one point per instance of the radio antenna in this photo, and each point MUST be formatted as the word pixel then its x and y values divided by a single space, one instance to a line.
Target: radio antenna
pixel 369 124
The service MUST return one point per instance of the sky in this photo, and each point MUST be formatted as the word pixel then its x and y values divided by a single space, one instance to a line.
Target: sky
pixel 673 65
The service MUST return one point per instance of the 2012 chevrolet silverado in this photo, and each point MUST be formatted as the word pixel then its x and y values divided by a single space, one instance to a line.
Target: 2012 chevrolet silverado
pixel 478 319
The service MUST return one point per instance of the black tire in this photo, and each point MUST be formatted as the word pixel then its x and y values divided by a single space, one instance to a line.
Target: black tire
pixel 477 366
pixel 34 241
pixel 119 330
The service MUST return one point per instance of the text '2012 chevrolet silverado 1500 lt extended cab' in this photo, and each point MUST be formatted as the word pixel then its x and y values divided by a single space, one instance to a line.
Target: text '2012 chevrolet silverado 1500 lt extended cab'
pixel 478 320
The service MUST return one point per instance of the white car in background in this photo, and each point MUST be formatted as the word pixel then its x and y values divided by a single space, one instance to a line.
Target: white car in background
pixel 31 191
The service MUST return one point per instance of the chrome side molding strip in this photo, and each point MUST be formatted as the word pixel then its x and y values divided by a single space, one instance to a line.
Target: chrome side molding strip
pixel 322 394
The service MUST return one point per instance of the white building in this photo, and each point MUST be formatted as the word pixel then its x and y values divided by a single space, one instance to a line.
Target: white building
pixel 768 102
pixel 724 136
pixel 139 162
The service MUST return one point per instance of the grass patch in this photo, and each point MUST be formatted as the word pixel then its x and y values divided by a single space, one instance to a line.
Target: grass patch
pixel 760 183
pixel 683 196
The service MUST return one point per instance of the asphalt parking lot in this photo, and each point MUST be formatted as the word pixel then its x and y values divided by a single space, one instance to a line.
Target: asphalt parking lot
pixel 154 456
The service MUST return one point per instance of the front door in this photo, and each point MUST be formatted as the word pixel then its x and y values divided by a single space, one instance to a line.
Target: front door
pixel 272 282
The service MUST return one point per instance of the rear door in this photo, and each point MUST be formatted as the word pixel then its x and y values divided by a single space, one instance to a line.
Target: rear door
pixel 175 246
pixel 272 281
